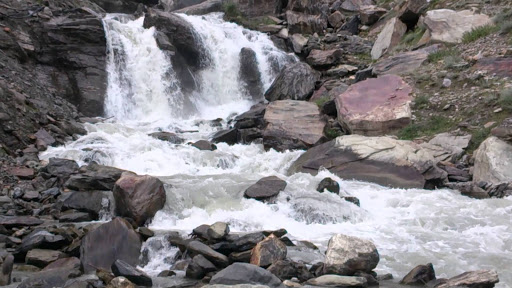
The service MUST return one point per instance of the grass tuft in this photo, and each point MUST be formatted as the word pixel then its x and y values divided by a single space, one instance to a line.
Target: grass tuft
pixel 434 125
pixel 441 54
pixel 506 99
pixel 477 137
pixel 479 32
pixel 421 101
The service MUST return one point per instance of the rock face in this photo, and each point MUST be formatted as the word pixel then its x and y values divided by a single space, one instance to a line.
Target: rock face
pixel 115 240
pixel 382 160
pixel 268 251
pixel 346 254
pixel 493 161
pixel 292 125
pixel 250 74
pixel 138 197
pixel 449 26
pixel 243 273
pixel 296 81
pixel 375 106
pixel 420 275
pixel 266 188
pixel 480 278
pixel 389 37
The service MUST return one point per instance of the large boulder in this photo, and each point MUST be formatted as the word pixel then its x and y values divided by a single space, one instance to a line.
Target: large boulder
pixel 480 278
pixel 250 74
pixel 346 255
pixel 389 37
pixel 449 26
pixel 382 160
pixel 419 275
pixel 138 197
pixel 243 273
pixel 292 125
pixel 268 251
pixel 296 81
pixel 493 161
pixel 376 106
pixel 305 23
pixel 94 177
pixel 115 240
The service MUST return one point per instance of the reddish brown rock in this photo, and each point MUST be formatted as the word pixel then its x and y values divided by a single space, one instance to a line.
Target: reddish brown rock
pixel 500 66
pixel 22 172
pixel 371 14
pixel 375 106
pixel 268 251
pixel 325 59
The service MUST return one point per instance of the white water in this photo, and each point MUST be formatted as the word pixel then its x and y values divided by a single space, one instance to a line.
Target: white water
pixel 409 227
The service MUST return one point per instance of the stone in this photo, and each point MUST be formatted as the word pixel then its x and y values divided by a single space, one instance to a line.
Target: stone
pixel 338 281
pixel 114 240
pixel 298 42
pixel 121 268
pixel 455 144
pixel 355 5
pixel 22 172
pixel 6 270
pixel 85 201
pixel 167 136
pixel 292 124
pixel 352 25
pixel 229 137
pixel 296 82
pixel 388 38
pixel 75 217
pixel 204 145
pixel 166 273
pixel 62 168
pixel 370 14
pixel 404 63
pixel 382 160
pixel 504 130
pixel 198 248
pixel 121 282
pixel 346 255
pixel 266 188
pixel 480 278
pixel 446 83
pixel 250 74
pixel 268 251
pixel 138 197
pixel 202 8
pixel 328 184
pixel 419 275
pixel 499 66
pixel 411 11
pixel 243 273
pixel 305 23
pixel 449 26
pixel 285 269
pixel 94 177
pixel 217 231
pixel 336 19
pixel 44 139
pixel 376 106
pixel 50 278
pixel 493 161
pixel 199 267
pixel 321 59
pixel 68 262
pixel 42 257
pixel 42 239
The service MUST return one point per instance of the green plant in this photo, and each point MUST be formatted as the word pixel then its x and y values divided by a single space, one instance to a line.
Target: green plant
pixel 479 32
pixel 231 10
pixel 441 54
pixel 477 137
pixel 506 99
pixel 321 101
pixel 332 133
pixel 420 101
pixel 452 61
pixel 409 132
pixel 414 36
pixel 434 125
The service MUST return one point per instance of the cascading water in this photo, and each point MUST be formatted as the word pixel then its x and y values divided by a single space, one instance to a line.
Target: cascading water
pixel 409 227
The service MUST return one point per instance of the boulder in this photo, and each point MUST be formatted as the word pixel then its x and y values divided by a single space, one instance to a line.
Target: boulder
pixel 376 106
pixel 346 254
pixel 321 59
pixel 217 231
pixel 24 173
pixel 167 136
pixel 382 160
pixel 493 161
pixel 268 251
pixel 204 145
pixel 62 168
pixel 49 278
pixel 266 188
pixel 85 201
pixel 138 197
pixel 6 270
pixel 338 281
pixel 336 19
pixel 292 124
pixel 355 5
pixel 42 239
pixel 250 74
pixel 198 248
pixel 285 269
pixel 455 144
pixel 296 81
pixel 42 257
pixel 121 268
pixel 94 177
pixel 352 25
pixel 419 275
pixel 449 26
pixel 410 12
pixel 226 136
pixel 115 240
pixel 480 278
pixel 298 42
pixel 404 63
pixel 305 23
pixel 243 273
pixel 328 184
pixel 370 14
pixel 504 130
pixel 199 266
pixel 69 262
pixel 389 37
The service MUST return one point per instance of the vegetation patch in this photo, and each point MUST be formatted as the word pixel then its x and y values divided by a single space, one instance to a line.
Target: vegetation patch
pixel 412 37
pixel 421 101
pixel 321 101
pixel 479 32
pixel 332 133
pixel 441 54
pixel 233 14
pixel 477 137
pixel 434 125
pixel 506 99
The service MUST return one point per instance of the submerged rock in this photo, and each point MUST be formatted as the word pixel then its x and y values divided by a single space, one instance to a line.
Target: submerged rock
pixel 167 136
pixel 265 188
pixel 328 184
pixel 346 255
pixel 204 145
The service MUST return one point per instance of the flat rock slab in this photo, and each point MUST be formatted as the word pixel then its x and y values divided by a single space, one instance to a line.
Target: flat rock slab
pixel 493 161
pixel 449 26
pixel 480 278
pixel 403 63
pixel 292 124
pixel 338 281
pixel 376 106
pixel 265 188
pixel 22 172
pixel 243 273
pixel 500 66
pixel 14 221
pixel 389 37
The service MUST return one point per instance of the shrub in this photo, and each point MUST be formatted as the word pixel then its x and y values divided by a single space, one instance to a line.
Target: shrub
pixel 420 101
pixel 434 125
pixel 231 10
pixel 477 137
pixel 479 32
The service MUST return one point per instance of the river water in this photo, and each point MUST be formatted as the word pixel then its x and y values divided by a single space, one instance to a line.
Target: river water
pixel 409 227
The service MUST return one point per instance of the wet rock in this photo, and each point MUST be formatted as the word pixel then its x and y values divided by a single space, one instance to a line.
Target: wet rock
pixel 338 281
pixel 346 255
pixel 121 282
pixel 296 81
pixel 305 23
pixel 328 184
pixel 94 177
pixel 204 145
pixel 218 230
pixel 449 26
pixel 419 275
pixel 469 189
pixel 198 248
pixel 62 168
pixel 292 125
pixel 493 161
pixel 265 188
pixel 480 278
pixel 411 11
pixel 6 270
pixel 388 38
pixel 298 42
pixel 352 199
pixel 50 278
pixel 371 14
pixel 167 136
pixel 375 106
pixel 226 136
pixel 121 268
pixel 243 273
pixel 138 197
pixel 199 267
pixel 115 240
pixel 42 257
pixel 321 59
pixel 250 74
pixel 404 63
pixel 85 201
pixel 268 251
pixel 285 269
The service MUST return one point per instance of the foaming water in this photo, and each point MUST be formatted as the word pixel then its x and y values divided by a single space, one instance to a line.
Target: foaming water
pixel 409 227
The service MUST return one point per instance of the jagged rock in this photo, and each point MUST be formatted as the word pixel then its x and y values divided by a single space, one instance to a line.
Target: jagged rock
pixel 218 230
pixel 371 14
pixel 324 58
pixel 328 184
pixel 268 251
pixel 42 257
pixel 382 160
pixel 504 130
pixel 493 161
pixel 338 281
pixel 419 275
pixel 198 248
pixel 121 268
pixel 411 11
pixel 243 273
pixel 61 167
pixel 204 145
pixel 480 278
pixel 305 23
pixel 138 197
pixel 298 42
pixel 352 25
pixel 346 255
pixel 94 177
pixel 292 125
pixel 199 266
pixel 6 270
pixel 455 144
pixel 50 278
pixel 403 63
pixel 285 269
pixel 250 74
pixel 336 19
pixel 375 106
pixel 167 136
pixel 265 188
pixel 226 136
pixel 449 26
pixel 115 240
pixel 85 201
pixel 389 37
pixel 296 81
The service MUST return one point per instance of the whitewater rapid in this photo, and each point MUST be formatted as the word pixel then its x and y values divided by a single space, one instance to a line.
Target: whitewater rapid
pixel 409 227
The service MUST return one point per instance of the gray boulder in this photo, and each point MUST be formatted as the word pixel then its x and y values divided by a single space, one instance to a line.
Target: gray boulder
pixel 419 275
pixel 480 279
pixel 265 188
pixel 493 161
pixel 250 74
pixel 346 254
pixel 243 273
pixel 296 82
